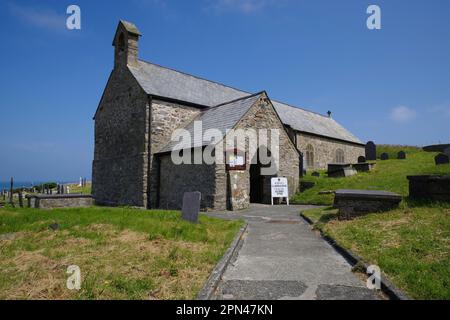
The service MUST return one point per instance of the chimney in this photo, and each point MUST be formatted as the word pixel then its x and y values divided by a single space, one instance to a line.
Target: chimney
pixel 329 114
pixel 126 41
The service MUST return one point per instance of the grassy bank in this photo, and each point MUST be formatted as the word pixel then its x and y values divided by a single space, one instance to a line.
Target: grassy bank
pixel 411 245
pixel 122 253
pixel 388 175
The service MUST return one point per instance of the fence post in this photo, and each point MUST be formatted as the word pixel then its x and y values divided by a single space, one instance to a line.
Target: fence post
pixel 21 198
pixel 11 194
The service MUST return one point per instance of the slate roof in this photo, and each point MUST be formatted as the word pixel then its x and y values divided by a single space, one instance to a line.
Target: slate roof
pixel 164 82
pixel 222 117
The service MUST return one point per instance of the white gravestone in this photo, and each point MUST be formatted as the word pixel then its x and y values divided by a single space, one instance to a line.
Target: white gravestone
pixel 280 189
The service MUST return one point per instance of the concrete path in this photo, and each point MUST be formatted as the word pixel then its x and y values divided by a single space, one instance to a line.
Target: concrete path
pixel 282 258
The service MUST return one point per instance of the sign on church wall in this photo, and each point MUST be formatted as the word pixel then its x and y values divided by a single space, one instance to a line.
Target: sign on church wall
pixel 236 160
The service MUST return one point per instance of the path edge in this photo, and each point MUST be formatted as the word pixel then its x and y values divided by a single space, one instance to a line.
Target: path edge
pixel 216 275
pixel 387 287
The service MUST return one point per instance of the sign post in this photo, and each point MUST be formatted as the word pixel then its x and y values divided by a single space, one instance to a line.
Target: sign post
pixel 280 189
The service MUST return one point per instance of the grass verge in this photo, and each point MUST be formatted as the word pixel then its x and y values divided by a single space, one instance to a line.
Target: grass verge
pixel 122 253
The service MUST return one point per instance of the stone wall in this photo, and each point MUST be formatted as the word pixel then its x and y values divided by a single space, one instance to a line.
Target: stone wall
pixel 119 173
pixel 261 115
pixel 59 201
pixel 178 179
pixel 325 150
pixel 238 190
pixel 165 118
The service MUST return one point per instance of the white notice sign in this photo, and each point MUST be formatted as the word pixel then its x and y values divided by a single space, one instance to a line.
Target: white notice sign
pixel 280 189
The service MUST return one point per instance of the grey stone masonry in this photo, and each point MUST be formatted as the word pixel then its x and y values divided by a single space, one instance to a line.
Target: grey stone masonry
pixel 121 148
pixel 59 201
pixel 325 149
pixel 353 203
pixel 432 188
pixel 261 115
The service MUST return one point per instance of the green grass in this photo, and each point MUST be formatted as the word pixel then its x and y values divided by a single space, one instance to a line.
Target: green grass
pixel 411 245
pixel 388 175
pixel 393 150
pixel 74 188
pixel 122 253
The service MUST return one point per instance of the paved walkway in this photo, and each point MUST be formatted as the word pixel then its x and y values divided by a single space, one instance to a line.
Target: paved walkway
pixel 282 258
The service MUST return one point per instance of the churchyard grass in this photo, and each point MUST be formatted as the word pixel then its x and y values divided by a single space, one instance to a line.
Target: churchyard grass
pixel 76 189
pixel 122 253
pixel 411 244
pixel 389 175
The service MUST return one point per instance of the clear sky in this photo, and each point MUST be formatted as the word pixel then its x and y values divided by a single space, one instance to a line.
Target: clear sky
pixel 390 85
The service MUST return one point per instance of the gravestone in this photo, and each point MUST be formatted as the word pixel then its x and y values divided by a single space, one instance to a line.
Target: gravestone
pixel 361 159
pixel 54 226
pixel 191 206
pixel 447 151
pixel 305 185
pixel 315 174
pixel 337 170
pixel 442 159
pixel 363 167
pixel 401 155
pixel 371 151
pixel 384 156
pixel 353 203
pixel 430 188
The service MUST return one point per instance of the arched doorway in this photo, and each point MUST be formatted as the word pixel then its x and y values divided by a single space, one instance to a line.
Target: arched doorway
pixel 256 183
pixel 257 180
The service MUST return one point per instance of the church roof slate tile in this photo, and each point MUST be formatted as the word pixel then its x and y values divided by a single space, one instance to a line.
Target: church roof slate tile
pixel 164 82
pixel 223 117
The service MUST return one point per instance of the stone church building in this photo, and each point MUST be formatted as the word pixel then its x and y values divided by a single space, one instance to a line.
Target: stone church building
pixel 143 103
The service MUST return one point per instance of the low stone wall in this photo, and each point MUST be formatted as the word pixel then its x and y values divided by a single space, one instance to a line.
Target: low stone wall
pixel 434 188
pixel 353 203
pixel 59 201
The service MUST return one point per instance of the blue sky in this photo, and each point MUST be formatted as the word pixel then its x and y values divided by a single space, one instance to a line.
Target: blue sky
pixel 390 85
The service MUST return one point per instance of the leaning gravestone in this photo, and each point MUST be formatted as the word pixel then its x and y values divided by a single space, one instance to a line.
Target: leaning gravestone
pixel 371 151
pixel 401 155
pixel 442 159
pixel 361 159
pixel 384 156
pixel 191 206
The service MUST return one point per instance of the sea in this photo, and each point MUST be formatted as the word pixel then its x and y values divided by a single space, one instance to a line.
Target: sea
pixel 5 185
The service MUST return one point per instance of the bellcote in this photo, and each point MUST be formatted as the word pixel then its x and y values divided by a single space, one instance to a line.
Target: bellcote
pixel 126 45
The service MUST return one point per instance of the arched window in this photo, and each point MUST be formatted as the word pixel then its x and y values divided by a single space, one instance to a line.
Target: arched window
pixel 309 156
pixel 340 156
pixel 121 43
